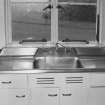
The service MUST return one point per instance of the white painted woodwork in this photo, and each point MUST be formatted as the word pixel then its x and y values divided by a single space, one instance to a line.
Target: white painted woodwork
pixel 73 96
pixel 13 81
pixel 96 96
pixel 2 23
pixel 44 96
pixel 97 79
pixel 36 89
pixel 96 93
pixel 13 97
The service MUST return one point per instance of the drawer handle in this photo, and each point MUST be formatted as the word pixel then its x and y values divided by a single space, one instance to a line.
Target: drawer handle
pixel 67 94
pixel 9 82
pixel 23 96
pixel 52 95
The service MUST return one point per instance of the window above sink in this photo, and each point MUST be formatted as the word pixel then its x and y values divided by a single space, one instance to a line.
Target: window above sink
pixel 49 21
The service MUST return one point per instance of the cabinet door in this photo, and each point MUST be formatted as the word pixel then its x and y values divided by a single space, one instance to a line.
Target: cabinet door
pixel 44 96
pixel 4 96
pixel 13 81
pixel 13 97
pixel 18 97
pixel 96 96
pixel 73 96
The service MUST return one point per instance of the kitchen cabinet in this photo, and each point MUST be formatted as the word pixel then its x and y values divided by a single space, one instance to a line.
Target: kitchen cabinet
pixel 44 89
pixel 10 81
pixel 13 97
pixel 73 96
pixel 96 93
pixel 96 96
pixel 74 90
pixel 52 89
pixel 44 80
pixel 18 97
pixel 13 89
pixel 4 96
pixel 55 96
pixel 62 89
pixel 44 96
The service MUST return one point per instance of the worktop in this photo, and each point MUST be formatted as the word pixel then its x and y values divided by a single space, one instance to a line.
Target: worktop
pixel 52 60
pixel 18 51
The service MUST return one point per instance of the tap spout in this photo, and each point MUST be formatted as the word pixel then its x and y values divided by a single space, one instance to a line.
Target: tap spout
pixel 60 45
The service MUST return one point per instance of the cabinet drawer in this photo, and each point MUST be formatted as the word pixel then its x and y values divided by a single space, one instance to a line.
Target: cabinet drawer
pixel 97 79
pixel 13 81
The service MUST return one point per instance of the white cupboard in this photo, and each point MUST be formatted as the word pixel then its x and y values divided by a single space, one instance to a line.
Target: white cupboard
pixel 58 89
pixel 13 89
pixel 44 96
pixel 96 93
pixel 13 97
pixel 52 89
pixel 96 96
pixel 73 96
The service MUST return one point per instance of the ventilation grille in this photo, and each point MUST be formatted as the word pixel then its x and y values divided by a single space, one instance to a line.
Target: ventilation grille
pixel 71 80
pixel 45 80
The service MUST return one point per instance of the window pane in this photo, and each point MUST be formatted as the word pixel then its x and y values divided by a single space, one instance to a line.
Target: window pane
pixel 31 20
pixel 77 22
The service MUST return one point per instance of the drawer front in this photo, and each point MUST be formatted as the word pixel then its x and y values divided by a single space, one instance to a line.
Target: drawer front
pixel 97 79
pixel 13 81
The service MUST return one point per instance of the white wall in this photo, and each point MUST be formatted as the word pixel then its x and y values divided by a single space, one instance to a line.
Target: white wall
pixel 2 25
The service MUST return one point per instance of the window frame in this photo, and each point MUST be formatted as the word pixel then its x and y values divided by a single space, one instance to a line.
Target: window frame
pixel 54 27
pixel 97 13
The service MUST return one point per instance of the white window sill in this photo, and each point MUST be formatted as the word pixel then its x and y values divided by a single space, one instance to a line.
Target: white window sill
pixel 50 44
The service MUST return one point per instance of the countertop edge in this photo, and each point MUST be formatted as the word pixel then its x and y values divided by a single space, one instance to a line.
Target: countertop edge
pixel 53 71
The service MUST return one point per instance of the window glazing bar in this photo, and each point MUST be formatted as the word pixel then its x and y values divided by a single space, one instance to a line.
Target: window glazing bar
pixel 54 22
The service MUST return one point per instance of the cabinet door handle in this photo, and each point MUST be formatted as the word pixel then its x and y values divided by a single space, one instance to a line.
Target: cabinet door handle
pixel 6 82
pixel 52 95
pixel 97 87
pixel 69 94
pixel 22 96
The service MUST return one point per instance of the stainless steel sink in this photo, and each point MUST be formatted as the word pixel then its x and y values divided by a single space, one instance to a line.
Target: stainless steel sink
pixel 50 62
pixel 15 63
pixel 52 51
pixel 93 63
pixel 89 51
pixel 18 51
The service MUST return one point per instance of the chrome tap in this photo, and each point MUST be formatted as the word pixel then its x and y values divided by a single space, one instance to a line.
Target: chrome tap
pixel 58 45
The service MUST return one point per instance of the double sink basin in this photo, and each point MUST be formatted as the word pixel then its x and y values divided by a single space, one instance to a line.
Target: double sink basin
pixel 68 63
pixel 57 63
pixel 52 58
pixel 71 58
